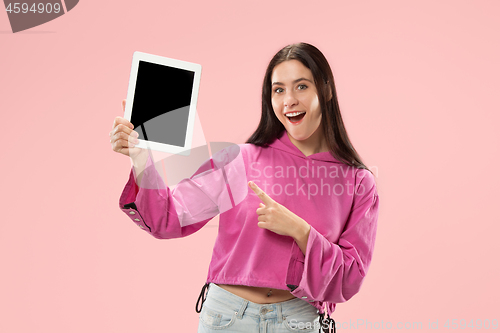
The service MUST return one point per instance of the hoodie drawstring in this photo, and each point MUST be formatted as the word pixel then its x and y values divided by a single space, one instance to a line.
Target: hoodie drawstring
pixel 326 325
pixel 202 297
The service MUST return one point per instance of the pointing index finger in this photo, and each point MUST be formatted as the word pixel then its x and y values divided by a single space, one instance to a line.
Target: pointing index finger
pixel 261 194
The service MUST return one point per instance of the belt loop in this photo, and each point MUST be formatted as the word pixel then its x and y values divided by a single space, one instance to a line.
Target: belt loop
pixel 279 312
pixel 241 311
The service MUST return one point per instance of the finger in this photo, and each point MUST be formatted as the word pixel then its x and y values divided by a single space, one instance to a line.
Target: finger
pixel 124 103
pixel 125 147
pixel 120 120
pixel 120 144
pixel 261 210
pixel 261 194
pixel 121 140
pixel 262 225
pixel 123 136
pixel 123 128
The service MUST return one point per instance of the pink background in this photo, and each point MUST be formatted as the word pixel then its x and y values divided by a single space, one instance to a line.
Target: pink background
pixel 418 86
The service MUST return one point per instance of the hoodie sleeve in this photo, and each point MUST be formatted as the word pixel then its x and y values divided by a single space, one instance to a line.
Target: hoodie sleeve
pixel 165 212
pixel 333 272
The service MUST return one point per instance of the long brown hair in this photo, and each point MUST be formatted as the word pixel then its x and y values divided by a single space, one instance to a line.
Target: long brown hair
pixel 270 127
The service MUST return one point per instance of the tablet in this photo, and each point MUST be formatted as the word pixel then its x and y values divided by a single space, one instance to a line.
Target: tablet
pixel 161 102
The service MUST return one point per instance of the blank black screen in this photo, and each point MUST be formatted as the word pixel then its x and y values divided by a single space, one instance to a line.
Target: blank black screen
pixel 161 103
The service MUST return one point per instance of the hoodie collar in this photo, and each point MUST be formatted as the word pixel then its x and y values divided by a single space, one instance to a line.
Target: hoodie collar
pixel 283 143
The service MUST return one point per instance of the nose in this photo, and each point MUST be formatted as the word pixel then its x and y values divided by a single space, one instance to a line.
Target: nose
pixel 290 100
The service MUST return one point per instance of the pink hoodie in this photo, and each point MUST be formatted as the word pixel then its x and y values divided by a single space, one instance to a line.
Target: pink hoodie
pixel 338 201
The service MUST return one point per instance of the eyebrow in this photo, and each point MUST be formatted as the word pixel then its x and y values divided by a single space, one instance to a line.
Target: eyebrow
pixel 295 81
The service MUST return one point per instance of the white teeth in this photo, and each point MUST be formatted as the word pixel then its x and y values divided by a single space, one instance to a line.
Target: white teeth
pixel 293 114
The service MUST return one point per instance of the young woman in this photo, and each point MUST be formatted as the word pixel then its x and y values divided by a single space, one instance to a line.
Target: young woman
pixel 301 238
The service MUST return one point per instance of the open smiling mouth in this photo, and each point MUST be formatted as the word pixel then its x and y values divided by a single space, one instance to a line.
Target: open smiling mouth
pixel 295 117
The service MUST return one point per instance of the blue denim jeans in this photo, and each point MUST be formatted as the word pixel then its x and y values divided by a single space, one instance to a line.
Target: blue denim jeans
pixel 224 311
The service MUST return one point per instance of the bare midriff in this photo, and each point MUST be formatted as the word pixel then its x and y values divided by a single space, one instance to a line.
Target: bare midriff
pixel 258 295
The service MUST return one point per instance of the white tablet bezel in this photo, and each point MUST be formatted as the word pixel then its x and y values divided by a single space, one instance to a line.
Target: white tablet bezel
pixel 196 68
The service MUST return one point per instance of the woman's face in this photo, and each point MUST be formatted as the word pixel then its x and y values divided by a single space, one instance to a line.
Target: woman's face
pixel 295 101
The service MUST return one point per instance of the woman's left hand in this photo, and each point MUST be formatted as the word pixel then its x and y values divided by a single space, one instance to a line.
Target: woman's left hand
pixel 277 218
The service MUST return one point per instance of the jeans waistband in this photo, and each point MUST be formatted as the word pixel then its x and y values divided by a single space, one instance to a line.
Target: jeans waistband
pixel 267 311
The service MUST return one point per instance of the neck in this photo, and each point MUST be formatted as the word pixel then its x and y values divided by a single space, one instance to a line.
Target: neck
pixel 314 144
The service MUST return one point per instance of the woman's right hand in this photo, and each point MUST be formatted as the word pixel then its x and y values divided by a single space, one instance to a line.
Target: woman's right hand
pixel 123 137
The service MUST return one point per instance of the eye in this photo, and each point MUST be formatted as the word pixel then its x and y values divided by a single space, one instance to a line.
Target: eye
pixel 278 90
pixel 302 87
